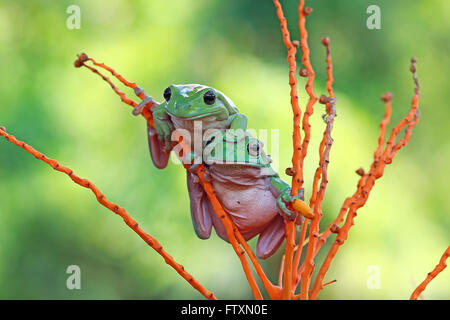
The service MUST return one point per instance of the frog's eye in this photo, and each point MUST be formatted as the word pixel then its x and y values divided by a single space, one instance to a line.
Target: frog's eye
pixel 209 97
pixel 167 94
pixel 253 148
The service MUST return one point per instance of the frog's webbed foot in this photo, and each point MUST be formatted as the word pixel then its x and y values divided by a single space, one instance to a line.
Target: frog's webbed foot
pixel 206 175
pixel 194 171
pixel 195 161
pixel 201 208
pixel 284 199
pixel 138 109
pixel 164 129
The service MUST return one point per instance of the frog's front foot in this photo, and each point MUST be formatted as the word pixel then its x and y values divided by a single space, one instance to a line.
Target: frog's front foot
pixel 285 198
pixel 194 162
pixel 164 129
pixel 194 170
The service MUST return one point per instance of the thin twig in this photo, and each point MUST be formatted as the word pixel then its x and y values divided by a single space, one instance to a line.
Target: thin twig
pixel 318 195
pixel 367 181
pixel 431 275
pixel 297 179
pixel 152 242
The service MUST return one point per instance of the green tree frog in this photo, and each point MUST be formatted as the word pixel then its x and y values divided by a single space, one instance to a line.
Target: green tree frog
pixel 250 191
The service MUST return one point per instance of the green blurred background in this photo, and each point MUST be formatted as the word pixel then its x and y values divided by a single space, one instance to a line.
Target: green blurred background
pixel 49 223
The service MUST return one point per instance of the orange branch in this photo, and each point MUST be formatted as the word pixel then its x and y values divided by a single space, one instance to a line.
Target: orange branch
pixel 431 275
pixel 308 71
pixel 297 179
pixel 301 243
pixel 230 229
pixel 280 275
pixel 273 291
pixel 152 242
pixel 387 98
pixel 302 13
pixel 318 195
pixel 367 181
pixel 140 108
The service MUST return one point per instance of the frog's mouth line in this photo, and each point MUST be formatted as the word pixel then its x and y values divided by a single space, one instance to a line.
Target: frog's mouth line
pixel 211 114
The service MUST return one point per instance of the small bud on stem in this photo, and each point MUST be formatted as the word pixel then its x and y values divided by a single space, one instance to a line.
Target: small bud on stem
pixel 303 72
pixel 326 41
pixel 324 99
pixel 307 11
pixel 387 97
pixel 82 58
pixel 334 228
pixel 290 171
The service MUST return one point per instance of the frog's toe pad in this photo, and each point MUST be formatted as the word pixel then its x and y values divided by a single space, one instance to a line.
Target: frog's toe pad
pixel 270 239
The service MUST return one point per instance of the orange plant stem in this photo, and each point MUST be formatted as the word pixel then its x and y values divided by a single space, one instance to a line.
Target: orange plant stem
pixel 318 194
pixel 152 242
pixel 377 155
pixel 431 275
pixel 122 96
pixel 146 113
pixel 273 291
pixel 297 179
pixel 230 229
pixel 280 273
pixel 301 242
pixel 312 202
pixel 308 112
pixel 368 180
pixel 329 86
pixel 309 87
pixel 314 227
pixel 288 291
pixel 117 75
pixel 358 201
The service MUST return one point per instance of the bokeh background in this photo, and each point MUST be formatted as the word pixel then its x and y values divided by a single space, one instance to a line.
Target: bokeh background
pixel 49 223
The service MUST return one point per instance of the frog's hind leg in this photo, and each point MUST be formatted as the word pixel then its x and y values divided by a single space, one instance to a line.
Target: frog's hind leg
pixel 271 238
pixel 202 211
pixel 218 226
pixel 201 208
pixel 159 154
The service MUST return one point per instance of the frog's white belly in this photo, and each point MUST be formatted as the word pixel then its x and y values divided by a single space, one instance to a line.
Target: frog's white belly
pixel 246 195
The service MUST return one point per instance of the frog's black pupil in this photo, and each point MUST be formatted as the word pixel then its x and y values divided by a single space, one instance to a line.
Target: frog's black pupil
pixel 254 147
pixel 209 97
pixel 167 94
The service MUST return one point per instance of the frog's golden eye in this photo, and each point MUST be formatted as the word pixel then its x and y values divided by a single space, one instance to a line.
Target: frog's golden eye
pixel 209 97
pixel 253 148
pixel 167 94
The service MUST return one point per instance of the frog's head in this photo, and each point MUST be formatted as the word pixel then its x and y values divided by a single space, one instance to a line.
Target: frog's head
pixel 235 147
pixel 194 101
